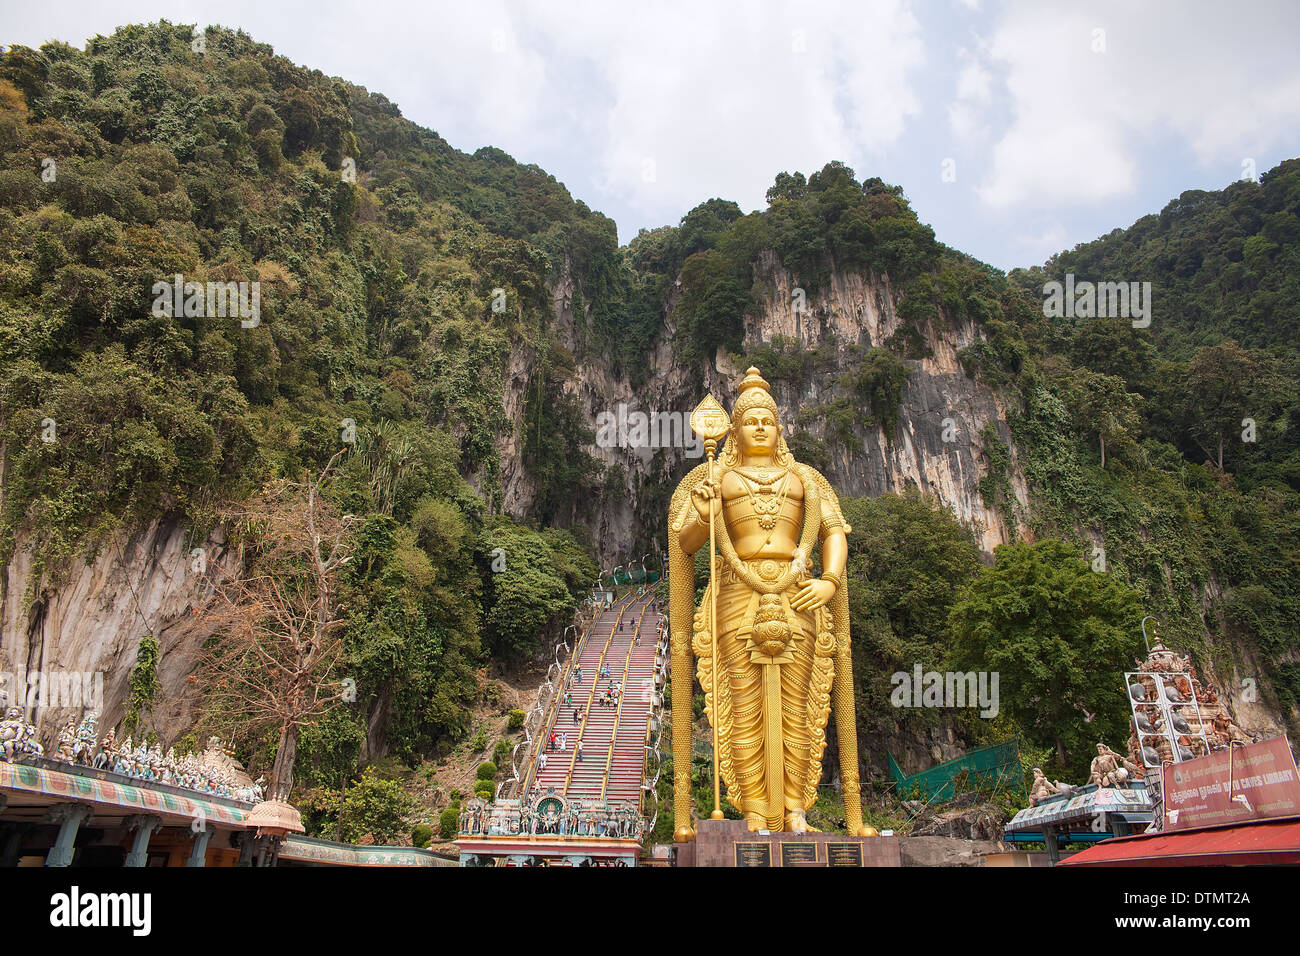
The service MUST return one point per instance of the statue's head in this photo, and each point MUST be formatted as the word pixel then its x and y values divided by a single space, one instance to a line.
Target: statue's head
pixel 755 424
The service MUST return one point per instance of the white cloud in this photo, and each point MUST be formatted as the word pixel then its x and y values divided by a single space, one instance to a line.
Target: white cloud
pixel 974 82
pixel 1082 121
pixel 967 114
pixel 720 98
pixel 1050 238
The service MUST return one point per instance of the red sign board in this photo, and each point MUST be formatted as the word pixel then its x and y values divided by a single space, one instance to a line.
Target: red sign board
pixel 1264 783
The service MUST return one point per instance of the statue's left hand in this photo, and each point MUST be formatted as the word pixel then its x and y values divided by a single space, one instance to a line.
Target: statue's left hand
pixel 813 594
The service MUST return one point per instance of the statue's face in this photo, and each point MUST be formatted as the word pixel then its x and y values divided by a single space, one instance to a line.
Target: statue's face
pixel 758 432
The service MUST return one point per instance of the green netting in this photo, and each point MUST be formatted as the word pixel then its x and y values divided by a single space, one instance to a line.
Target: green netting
pixel 994 768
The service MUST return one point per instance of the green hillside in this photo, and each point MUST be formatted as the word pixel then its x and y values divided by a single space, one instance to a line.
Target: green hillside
pixel 376 307
pixel 397 274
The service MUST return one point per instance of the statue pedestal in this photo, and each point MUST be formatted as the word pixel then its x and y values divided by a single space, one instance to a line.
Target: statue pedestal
pixel 729 843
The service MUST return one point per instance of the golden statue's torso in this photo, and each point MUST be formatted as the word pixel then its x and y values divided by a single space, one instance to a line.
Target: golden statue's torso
pixel 763 509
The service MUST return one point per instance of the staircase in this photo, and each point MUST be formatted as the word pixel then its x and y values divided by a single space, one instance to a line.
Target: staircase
pixel 613 737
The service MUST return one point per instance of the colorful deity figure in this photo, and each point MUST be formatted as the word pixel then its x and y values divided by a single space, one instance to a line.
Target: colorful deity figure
pixel 67 741
pixel 119 763
pixel 103 759
pixel 83 748
pixel 1041 788
pixel 142 767
pixel 1109 769
pixel 13 730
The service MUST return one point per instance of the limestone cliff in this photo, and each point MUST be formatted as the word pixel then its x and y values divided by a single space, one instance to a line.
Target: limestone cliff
pixel 92 621
pixel 939 401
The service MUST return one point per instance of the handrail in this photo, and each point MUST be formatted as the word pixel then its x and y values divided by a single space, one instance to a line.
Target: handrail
pixel 558 667
pixel 553 709
pixel 660 648
pixel 531 775
pixel 618 711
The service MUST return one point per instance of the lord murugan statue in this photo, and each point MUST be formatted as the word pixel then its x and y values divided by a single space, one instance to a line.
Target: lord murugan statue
pixel 771 641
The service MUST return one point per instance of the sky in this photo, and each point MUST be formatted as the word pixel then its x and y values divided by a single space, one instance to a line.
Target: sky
pixel 1017 129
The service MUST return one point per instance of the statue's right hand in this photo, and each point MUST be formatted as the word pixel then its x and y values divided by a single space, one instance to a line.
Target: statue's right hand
pixel 706 497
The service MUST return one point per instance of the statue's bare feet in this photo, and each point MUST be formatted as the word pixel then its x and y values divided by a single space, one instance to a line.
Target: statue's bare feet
pixel 797 822
pixel 754 822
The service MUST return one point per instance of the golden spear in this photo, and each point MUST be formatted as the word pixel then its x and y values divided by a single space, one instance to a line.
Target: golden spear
pixel 710 422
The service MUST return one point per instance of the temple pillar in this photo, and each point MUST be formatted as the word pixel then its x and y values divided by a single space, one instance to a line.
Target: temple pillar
pixel 70 816
pixel 246 842
pixel 199 852
pixel 143 824
pixel 1049 840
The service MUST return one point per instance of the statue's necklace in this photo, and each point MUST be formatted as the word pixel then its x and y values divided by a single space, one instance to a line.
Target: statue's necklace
pixel 766 501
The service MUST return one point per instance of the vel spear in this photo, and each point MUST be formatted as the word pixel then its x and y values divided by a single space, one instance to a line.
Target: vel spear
pixel 710 422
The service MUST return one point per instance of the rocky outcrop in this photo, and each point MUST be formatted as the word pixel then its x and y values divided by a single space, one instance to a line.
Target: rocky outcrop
pixel 92 622
pixel 964 818
pixel 936 446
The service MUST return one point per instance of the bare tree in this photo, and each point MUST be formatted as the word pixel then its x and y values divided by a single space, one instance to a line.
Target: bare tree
pixel 275 621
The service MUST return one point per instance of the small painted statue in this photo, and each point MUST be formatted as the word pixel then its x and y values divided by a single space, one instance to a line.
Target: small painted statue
pixel 67 741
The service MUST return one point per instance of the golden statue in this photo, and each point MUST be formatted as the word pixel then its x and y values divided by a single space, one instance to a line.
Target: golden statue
pixel 782 636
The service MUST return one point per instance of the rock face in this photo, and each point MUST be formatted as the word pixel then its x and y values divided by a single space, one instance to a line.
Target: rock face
pixel 936 446
pixel 92 622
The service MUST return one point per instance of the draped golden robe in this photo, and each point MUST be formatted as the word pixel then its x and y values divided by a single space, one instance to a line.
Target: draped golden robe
pixel 764 751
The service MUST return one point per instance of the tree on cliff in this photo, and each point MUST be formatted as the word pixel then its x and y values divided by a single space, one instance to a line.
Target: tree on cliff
pixel 1103 407
pixel 1219 382
pixel 1060 636
pixel 276 622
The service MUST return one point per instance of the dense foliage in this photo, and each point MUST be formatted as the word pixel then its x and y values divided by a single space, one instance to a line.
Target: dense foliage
pixel 1175 449
pixel 908 560
pixel 395 276
pixel 1060 636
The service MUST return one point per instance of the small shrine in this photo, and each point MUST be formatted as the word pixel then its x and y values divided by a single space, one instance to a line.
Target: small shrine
pixel 549 830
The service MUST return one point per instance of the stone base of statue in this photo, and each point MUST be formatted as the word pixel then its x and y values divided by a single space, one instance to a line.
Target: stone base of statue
pixel 730 843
